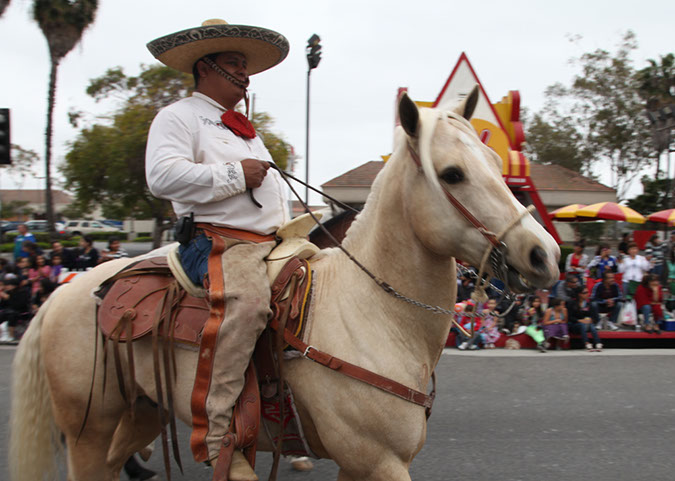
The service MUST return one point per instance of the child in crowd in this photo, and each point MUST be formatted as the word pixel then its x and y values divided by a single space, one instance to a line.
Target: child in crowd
pixel 466 316
pixel 649 302
pixel 39 271
pixel 57 267
pixel 555 322
pixel 489 332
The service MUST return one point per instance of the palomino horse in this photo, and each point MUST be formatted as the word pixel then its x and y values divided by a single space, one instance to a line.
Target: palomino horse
pixel 407 235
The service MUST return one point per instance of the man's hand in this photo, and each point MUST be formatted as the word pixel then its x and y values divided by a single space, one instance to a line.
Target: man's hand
pixel 254 172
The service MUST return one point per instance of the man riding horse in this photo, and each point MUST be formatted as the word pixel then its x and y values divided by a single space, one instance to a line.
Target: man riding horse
pixel 206 158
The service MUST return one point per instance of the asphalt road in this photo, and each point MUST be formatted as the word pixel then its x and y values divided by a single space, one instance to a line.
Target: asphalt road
pixel 517 416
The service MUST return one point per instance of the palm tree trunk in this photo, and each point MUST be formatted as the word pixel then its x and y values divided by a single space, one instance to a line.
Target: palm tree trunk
pixel 51 96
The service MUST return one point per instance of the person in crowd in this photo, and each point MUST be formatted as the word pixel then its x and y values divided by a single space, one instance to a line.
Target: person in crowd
pixel 623 245
pixel 465 319
pixel 633 268
pixel 655 253
pixel 39 271
pixel 114 251
pixel 577 261
pixel 554 322
pixel 671 267
pixel 603 260
pixel 87 254
pixel 534 314
pixel 583 318
pixel 67 255
pixel 564 289
pixel 19 240
pixel 22 271
pixel 649 302
pixel 489 331
pixel 57 268
pixel 608 298
pixel 513 317
pixel 14 304
pixel 465 287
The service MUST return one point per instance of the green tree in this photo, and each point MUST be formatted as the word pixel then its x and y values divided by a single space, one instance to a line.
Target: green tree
pixel 62 22
pixel 657 82
pixel 657 89
pixel 23 161
pixel 603 111
pixel 106 163
pixel 555 143
pixel 654 196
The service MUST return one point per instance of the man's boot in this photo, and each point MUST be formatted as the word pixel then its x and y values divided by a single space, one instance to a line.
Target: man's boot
pixel 240 470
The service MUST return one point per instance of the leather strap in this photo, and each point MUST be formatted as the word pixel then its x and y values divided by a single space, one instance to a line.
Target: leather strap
pixel 489 235
pixel 234 233
pixel 222 469
pixel 356 372
pixel 200 420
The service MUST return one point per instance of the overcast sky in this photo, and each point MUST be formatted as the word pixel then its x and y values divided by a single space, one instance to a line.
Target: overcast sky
pixel 370 48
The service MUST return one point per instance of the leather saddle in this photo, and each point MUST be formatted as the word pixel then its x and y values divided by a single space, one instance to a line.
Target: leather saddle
pixel 138 290
pixel 154 297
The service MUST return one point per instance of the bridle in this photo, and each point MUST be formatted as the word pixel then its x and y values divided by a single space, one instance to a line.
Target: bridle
pixel 496 252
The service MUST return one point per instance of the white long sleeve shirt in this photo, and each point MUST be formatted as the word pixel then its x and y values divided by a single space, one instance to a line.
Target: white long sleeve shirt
pixel 634 269
pixel 194 161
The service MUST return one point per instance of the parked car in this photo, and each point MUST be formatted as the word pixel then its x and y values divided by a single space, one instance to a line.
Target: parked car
pixel 36 226
pixel 7 226
pixel 118 224
pixel 81 227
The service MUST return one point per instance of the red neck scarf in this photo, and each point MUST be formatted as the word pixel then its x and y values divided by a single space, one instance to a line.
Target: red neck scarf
pixel 238 124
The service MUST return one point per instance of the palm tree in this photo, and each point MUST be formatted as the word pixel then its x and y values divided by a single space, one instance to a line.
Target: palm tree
pixel 62 23
pixel 3 6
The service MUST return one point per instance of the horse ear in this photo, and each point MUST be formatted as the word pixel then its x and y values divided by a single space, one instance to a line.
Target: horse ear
pixel 468 105
pixel 408 115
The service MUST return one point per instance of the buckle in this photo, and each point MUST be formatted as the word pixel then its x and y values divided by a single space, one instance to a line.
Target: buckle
pixel 304 354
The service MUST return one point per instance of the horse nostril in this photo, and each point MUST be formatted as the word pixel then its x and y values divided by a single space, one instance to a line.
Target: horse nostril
pixel 538 258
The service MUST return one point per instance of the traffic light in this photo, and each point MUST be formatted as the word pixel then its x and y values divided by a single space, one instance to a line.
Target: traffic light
pixel 313 51
pixel 5 150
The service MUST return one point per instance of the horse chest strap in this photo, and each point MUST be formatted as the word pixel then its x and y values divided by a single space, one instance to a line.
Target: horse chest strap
pixel 355 372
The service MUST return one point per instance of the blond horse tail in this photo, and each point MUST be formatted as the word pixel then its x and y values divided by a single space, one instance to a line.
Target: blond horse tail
pixel 34 438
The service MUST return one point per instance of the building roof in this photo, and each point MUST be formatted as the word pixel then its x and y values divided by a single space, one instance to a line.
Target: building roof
pixel 544 177
pixel 557 177
pixel 34 196
pixel 362 176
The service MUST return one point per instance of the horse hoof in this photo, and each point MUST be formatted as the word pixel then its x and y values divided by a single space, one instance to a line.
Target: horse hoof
pixel 302 464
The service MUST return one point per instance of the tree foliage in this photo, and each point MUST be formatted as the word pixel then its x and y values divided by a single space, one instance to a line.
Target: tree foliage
pixel 654 196
pixel 602 113
pixel 556 143
pixel 657 82
pixel 105 165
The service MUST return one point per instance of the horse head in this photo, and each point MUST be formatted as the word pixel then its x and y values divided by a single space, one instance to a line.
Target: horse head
pixel 449 162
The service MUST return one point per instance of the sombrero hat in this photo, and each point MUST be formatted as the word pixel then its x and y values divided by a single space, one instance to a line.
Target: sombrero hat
pixel 263 48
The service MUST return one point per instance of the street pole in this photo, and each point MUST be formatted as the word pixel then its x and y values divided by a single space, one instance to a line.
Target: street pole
pixel 313 51
pixel 309 71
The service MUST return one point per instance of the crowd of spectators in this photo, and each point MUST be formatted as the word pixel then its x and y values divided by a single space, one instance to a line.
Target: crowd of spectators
pixel 590 297
pixel 32 275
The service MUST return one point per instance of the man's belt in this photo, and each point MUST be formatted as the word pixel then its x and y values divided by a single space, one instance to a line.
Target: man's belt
pixel 232 233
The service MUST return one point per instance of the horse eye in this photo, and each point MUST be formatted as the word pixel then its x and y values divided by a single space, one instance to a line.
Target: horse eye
pixel 452 175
